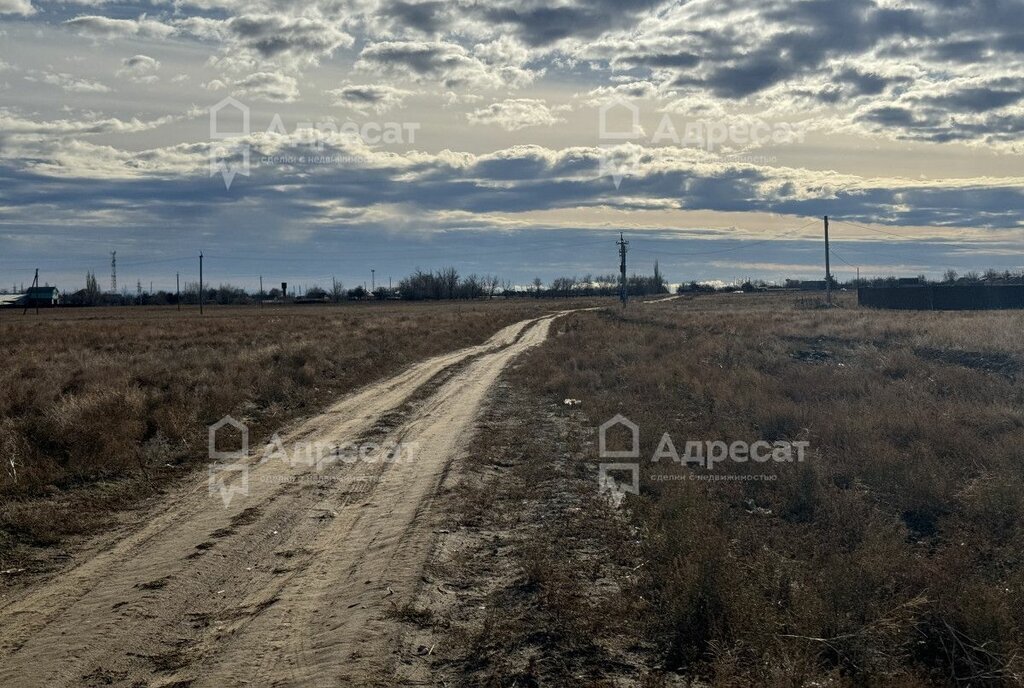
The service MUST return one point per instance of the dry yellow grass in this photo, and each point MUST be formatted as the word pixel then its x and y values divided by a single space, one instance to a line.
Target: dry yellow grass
pixel 99 407
pixel 891 556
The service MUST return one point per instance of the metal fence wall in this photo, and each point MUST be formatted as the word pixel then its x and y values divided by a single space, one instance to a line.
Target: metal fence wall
pixel 943 297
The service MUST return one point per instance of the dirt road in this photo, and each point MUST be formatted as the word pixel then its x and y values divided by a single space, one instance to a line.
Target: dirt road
pixel 294 583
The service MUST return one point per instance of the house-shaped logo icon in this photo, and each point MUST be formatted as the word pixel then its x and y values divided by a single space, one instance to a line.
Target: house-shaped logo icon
pixel 602 439
pixel 236 455
pixel 217 130
pixel 607 134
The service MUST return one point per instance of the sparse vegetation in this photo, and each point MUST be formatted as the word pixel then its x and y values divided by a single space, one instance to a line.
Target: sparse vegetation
pixel 100 407
pixel 891 556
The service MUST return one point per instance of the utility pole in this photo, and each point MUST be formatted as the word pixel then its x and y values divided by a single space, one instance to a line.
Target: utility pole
pixel 261 293
pixel 200 283
pixel 622 244
pixel 28 296
pixel 373 280
pixel 177 289
pixel 113 272
pixel 828 269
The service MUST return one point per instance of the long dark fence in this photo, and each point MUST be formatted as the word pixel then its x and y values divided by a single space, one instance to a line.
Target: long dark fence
pixel 943 297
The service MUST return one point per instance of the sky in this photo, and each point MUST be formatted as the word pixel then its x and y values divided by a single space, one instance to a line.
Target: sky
pixel 319 140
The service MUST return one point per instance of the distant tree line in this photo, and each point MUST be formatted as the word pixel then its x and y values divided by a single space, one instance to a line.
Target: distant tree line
pixel 421 285
pixel 950 277
pixel 448 284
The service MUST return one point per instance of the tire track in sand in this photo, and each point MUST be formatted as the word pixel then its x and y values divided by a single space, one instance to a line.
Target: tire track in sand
pixel 287 586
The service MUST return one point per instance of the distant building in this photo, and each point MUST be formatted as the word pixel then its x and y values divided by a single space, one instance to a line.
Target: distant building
pixel 811 285
pixel 35 297
pixel 908 282
pixel 12 300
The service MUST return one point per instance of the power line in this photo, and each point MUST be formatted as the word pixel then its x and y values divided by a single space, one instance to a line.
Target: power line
pixel 841 259
pixel 734 248
pixel 870 229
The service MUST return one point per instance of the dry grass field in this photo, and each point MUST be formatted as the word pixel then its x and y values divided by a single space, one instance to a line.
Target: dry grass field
pixel 100 407
pixel 891 556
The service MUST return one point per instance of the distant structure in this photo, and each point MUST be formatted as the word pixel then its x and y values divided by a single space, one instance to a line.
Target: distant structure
pixel 113 272
pixel 807 285
pixel 35 297
pixel 943 297
pixel 43 296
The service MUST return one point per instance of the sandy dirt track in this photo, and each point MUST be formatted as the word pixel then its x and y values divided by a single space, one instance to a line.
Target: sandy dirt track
pixel 291 584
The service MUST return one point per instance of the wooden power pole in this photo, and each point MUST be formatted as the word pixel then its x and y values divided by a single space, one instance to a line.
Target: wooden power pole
pixel 200 283
pixel 622 243
pixel 828 269
pixel 28 296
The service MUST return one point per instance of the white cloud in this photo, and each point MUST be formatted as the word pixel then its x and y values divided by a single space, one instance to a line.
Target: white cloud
pixel 271 86
pixel 105 27
pixel 518 113
pixel 69 83
pixel 12 124
pixel 449 63
pixel 22 7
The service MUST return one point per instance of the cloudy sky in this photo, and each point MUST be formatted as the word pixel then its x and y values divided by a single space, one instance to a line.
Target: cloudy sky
pixel 508 136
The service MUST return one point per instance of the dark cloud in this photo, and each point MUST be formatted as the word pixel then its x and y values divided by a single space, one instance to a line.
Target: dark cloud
pixel 426 17
pixel 379 97
pixel 962 51
pixel 274 35
pixel 659 60
pixel 749 76
pixel 542 24
pixel 977 100
pixel 449 63
pixel 515 180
